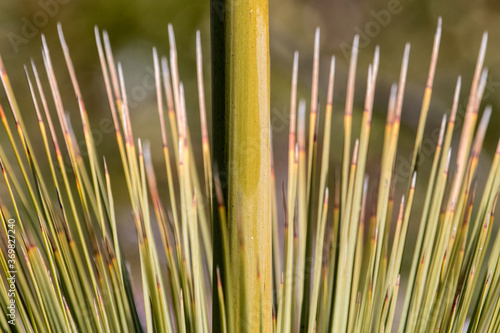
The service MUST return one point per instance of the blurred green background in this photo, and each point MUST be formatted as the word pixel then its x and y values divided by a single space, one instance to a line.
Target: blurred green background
pixel 136 26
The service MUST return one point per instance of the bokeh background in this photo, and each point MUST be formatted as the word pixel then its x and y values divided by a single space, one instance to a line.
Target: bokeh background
pixel 136 26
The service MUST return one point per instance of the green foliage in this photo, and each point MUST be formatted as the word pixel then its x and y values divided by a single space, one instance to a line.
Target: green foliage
pixel 341 267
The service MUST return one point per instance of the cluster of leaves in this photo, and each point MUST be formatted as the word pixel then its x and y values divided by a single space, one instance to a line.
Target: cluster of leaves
pixel 70 273
pixel 341 268
pixel 354 283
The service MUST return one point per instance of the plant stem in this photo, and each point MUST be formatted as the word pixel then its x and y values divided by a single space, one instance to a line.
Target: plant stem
pixel 241 150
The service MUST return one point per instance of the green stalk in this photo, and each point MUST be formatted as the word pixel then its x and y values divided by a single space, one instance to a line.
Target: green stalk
pixel 241 149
